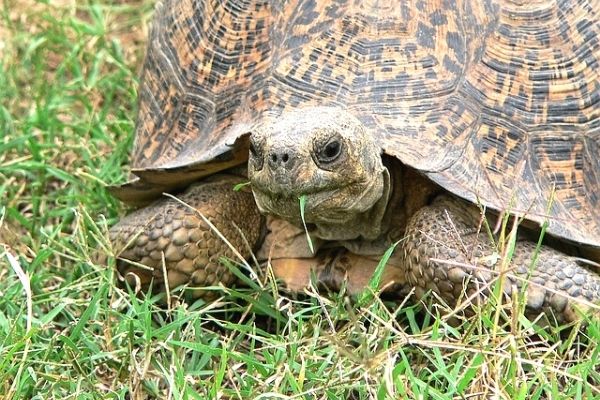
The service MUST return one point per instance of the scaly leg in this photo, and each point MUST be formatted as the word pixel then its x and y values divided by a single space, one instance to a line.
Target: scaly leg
pixel 175 234
pixel 445 253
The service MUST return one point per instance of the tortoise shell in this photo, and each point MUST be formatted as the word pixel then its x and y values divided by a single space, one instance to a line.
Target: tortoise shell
pixel 496 101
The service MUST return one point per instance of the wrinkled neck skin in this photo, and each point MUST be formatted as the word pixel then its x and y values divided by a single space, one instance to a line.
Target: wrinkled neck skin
pixel 405 191
pixel 368 225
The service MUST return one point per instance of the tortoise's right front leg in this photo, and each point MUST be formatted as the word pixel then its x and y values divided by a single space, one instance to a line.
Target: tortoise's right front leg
pixel 170 236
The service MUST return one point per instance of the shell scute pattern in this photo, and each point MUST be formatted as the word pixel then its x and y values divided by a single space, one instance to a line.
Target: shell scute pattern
pixel 497 101
pixel 209 52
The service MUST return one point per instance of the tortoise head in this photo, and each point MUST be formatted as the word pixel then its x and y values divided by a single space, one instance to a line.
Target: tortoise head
pixel 322 153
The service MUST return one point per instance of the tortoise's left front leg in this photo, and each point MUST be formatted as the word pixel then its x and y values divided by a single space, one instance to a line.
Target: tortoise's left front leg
pixel 443 252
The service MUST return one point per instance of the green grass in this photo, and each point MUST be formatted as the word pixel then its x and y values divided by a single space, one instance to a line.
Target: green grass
pixel 68 79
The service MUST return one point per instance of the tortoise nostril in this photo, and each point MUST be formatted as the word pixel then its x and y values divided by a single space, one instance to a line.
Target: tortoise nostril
pixel 281 158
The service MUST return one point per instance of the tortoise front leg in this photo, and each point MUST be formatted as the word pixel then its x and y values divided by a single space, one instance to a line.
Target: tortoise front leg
pixel 444 253
pixel 172 236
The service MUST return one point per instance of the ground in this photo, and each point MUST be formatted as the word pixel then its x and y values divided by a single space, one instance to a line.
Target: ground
pixel 68 80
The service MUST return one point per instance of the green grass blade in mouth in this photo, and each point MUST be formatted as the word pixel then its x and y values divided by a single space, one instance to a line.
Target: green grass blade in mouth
pixel 302 200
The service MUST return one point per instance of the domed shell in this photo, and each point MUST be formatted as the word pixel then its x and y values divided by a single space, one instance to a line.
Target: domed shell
pixel 496 101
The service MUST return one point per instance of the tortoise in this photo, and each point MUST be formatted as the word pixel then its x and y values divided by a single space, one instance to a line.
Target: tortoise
pixel 367 124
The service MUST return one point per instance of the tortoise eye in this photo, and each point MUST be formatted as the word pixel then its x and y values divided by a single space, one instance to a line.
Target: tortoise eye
pixel 330 152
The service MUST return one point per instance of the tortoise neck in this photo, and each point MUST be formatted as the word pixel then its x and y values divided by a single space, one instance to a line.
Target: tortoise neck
pixel 411 191
pixel 406 191
pixel 366 226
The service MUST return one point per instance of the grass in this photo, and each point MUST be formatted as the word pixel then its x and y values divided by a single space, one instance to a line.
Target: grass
pixel 68 79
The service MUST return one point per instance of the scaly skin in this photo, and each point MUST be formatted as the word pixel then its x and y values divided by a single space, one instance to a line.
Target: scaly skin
pixel 444 252
pixel 175 232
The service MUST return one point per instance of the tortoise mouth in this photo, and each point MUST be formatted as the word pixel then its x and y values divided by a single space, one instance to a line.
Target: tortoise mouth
pixel 288 206
pixel 293 188
pixel 332 204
